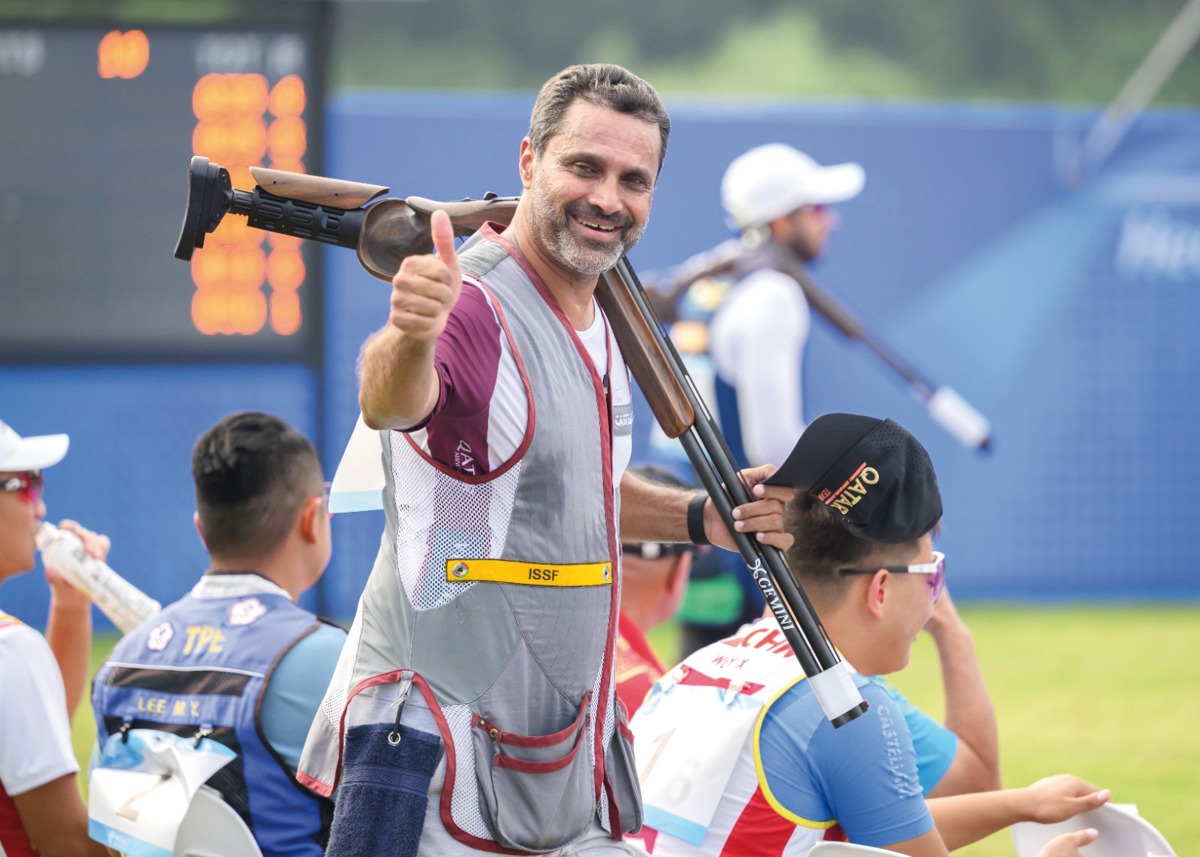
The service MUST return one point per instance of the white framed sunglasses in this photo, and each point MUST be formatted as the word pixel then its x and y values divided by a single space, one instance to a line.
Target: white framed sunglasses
pixel 936 569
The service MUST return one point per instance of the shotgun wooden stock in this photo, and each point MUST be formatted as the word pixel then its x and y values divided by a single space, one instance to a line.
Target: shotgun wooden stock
pixel 647 361
pixel 316 189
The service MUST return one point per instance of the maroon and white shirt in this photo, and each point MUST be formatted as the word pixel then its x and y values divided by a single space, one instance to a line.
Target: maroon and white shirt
pixel 482 413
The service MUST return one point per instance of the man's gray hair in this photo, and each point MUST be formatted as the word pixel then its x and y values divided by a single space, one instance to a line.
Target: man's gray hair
pixel 599 83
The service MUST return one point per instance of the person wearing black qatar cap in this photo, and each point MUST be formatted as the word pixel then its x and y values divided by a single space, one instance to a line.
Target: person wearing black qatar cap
pixel 962 755
pixel 765 771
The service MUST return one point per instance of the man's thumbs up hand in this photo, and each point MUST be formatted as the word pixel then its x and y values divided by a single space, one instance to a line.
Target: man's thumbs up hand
pixel 426 288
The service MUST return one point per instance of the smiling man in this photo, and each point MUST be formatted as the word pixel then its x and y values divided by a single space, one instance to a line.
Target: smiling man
pixel 474 708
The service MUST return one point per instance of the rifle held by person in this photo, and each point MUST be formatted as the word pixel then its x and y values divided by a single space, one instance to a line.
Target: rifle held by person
pixel 736 258
pixel 385 231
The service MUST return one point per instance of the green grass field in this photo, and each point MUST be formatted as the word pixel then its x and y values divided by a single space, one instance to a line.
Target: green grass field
pixel 1109 693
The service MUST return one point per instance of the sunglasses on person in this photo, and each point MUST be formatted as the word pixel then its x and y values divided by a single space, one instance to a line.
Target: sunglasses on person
pixel 825 212
pixel 935 569
pixel 657 550
pixel 27 486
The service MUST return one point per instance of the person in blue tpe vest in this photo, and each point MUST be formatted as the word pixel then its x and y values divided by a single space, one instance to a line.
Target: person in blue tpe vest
pixel 236 660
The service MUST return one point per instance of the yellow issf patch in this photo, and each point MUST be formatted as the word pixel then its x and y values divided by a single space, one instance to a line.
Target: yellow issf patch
pixel 528 573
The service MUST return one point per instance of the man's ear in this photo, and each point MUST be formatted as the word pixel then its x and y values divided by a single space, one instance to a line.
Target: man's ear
pixel 876 592
pixel 678 576
pixel 525 164
pixel 199 528
pixel 308 520
pixel 782 229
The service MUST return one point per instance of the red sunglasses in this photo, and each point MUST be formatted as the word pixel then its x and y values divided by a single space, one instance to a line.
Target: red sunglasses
pixel 27 486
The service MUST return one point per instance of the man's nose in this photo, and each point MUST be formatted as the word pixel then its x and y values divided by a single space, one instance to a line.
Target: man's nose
pixel 605 195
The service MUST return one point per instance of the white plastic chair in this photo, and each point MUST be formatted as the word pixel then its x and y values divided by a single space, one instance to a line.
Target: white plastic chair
pixel 1123 833
pixel 212 828
pixel 847 849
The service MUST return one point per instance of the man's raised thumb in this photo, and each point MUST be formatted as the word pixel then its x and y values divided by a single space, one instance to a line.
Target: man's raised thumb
pixel 442 231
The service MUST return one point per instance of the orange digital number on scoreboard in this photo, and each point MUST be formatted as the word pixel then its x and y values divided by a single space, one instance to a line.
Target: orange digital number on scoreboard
pixel 123 55
pixel 242 122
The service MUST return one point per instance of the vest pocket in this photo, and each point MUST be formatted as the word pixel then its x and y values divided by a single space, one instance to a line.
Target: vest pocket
pixel 537 792
pixel 621 774
pixel 381 801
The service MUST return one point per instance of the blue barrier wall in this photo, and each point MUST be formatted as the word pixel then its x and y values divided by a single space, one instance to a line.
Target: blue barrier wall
pixel 1065 313
pixel 128 470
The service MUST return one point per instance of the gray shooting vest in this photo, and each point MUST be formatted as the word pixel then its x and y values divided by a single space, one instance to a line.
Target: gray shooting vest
pixel 512 653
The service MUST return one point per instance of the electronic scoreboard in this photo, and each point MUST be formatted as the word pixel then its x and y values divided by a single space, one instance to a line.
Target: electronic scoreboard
pixel 97 126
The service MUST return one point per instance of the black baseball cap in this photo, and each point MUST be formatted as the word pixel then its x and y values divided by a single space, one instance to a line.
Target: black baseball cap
pixel 873 475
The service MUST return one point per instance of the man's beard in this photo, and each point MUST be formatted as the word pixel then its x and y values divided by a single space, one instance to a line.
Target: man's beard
pixel 803 248
pixel 580 254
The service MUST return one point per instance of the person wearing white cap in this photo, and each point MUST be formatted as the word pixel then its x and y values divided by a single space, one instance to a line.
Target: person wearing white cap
pixel 41 810
pixel 759 333
pixel 753 353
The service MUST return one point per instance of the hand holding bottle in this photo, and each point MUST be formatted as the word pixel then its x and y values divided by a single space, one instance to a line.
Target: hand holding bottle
pixel 123 603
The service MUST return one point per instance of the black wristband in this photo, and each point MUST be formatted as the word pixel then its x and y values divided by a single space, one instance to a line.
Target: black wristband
pixel 695 519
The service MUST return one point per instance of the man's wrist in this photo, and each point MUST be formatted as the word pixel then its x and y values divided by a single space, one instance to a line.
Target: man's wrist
pixel 695 519
pixel 69 600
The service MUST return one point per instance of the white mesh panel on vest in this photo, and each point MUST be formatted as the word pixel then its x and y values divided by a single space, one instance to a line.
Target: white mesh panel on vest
pixel 440 518
pixel 464 800
pixel 339 684
pixel 610 725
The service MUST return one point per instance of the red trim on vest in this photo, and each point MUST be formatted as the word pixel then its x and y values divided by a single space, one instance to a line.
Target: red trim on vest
pixel 538 767
pixel 315 785
pixel 530 414
pixel 614 816
pixel 603 410
pixel 519 740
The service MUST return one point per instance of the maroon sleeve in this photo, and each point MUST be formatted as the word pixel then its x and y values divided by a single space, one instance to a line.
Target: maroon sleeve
pixel 467 360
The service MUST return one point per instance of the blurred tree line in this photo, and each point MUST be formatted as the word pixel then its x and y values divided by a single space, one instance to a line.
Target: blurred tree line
pixel 1025 50
pixel 968 50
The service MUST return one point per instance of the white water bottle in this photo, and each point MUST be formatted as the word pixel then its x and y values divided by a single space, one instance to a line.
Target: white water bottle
pixel 122 602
